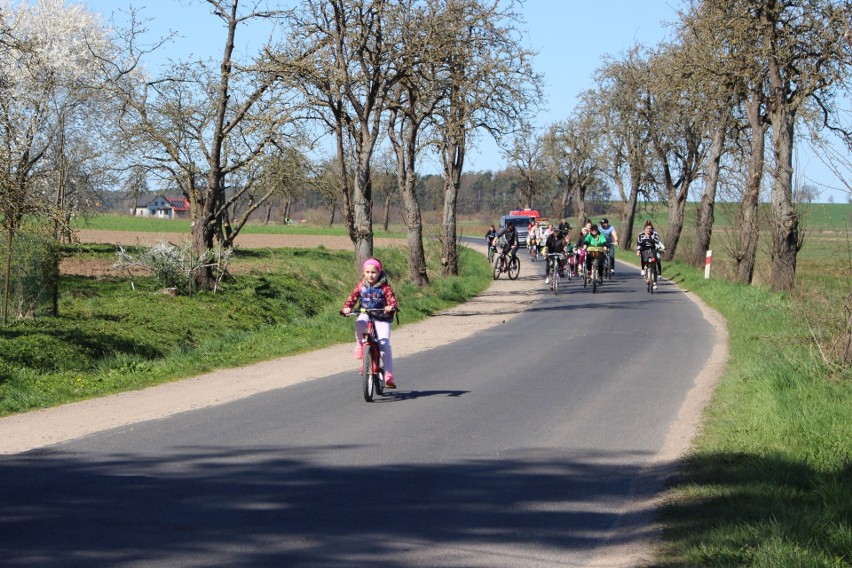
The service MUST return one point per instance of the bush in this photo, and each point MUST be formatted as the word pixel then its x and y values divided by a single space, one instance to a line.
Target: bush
pixel 176 266
pixel 34 273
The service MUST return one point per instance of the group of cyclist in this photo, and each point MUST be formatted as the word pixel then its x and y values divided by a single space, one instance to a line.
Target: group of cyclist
pixel 573 254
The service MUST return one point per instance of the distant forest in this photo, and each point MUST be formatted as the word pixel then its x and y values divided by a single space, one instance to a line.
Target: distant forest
pixel 483 194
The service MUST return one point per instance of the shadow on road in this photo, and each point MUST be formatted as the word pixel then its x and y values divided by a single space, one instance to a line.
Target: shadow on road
pixel 280 507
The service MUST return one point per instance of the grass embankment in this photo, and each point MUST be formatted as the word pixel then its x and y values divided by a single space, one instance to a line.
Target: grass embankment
pixel 769 479
pixel 109 338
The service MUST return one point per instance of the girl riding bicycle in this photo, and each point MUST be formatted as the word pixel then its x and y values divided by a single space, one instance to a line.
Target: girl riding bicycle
pixel 648 244
pixel 374 292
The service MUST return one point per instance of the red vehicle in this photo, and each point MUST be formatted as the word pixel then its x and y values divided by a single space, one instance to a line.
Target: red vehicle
pixel 521 218
pixel 525 213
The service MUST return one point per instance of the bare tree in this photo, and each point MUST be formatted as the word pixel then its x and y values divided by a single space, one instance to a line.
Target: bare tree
pixel 675 113
pixel 340 58
pixel 412 104
pixel 525 156
pixel 805 58
pixel 203 125
pixel 617 104
pixel 385 183
pixel 710 64
pixel 575 146
pixel 491 86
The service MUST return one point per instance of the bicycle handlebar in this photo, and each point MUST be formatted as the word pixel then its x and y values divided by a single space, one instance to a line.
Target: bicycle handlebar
pixel 370 311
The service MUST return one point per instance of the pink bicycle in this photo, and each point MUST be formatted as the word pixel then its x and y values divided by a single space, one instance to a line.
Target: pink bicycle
pixel 372 363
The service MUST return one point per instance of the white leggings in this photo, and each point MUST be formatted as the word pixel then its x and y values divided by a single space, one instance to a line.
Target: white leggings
pixel 382 332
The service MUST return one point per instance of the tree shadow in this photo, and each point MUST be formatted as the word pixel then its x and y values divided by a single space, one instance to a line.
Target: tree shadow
pixel 750 510
pixel 284 506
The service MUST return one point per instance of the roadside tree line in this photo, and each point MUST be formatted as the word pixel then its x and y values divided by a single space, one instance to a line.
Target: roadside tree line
pixel 715 111
pixel 81 112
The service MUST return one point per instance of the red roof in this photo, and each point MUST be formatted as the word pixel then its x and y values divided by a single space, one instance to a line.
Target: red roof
pixel 178 203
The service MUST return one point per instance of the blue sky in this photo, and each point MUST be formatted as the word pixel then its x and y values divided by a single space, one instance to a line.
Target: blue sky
pixel 571 38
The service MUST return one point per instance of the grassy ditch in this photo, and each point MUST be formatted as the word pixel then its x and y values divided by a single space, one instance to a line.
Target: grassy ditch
pixel 769 479
pixel 111 338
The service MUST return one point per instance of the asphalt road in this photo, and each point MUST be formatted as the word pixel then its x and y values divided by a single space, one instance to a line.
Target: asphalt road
pixel 530 444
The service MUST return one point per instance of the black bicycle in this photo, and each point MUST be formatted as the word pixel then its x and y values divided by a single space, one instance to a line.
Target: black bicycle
pixel 506 263
pixel 594 276
pixel 554 266
pixel 651 270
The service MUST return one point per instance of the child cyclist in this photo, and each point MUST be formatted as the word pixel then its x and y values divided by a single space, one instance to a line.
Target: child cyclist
pixel 373 292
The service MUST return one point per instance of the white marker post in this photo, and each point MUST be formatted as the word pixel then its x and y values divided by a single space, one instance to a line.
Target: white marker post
pixel 707 261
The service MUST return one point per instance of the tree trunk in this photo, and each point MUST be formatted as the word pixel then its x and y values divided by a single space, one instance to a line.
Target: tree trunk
pixel 581 204
pixel 10 239
pixel 706 209
pixel 746 249
pixel 565 204
pixel 403 130
pixel 203 231
pixel 675 226
pixel 785 220
pixel 625 236
pixel 386 221
pixel 449 252
pixel 288 204
pixel 417 272
pixel 453 163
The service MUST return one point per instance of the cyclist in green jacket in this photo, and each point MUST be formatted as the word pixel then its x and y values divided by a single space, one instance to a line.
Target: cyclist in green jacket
pixel 595 239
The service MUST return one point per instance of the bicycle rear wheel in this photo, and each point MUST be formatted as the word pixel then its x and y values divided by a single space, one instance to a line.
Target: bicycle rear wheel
pixel 514 268
pixel 367 375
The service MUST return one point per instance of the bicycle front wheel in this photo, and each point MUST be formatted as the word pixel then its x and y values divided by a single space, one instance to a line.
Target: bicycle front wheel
pixel 514 268
pixel 595 279
pixel 490 255
pixel 498 268
pixel 368 377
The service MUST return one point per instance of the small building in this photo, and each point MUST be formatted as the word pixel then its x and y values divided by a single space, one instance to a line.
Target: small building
pixel 163 207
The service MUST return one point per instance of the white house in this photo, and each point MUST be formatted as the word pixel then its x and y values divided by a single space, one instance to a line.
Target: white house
pixel 163 207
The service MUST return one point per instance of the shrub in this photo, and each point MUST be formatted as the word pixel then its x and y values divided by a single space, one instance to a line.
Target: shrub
pixel 34 273
pixel 176 266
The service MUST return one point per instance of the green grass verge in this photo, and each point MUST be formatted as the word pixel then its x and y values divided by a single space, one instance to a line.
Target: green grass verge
pixel 110 338
pixel 769 479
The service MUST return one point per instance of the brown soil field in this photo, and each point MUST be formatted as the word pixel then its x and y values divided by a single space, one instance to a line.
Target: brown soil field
pixel 101 267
